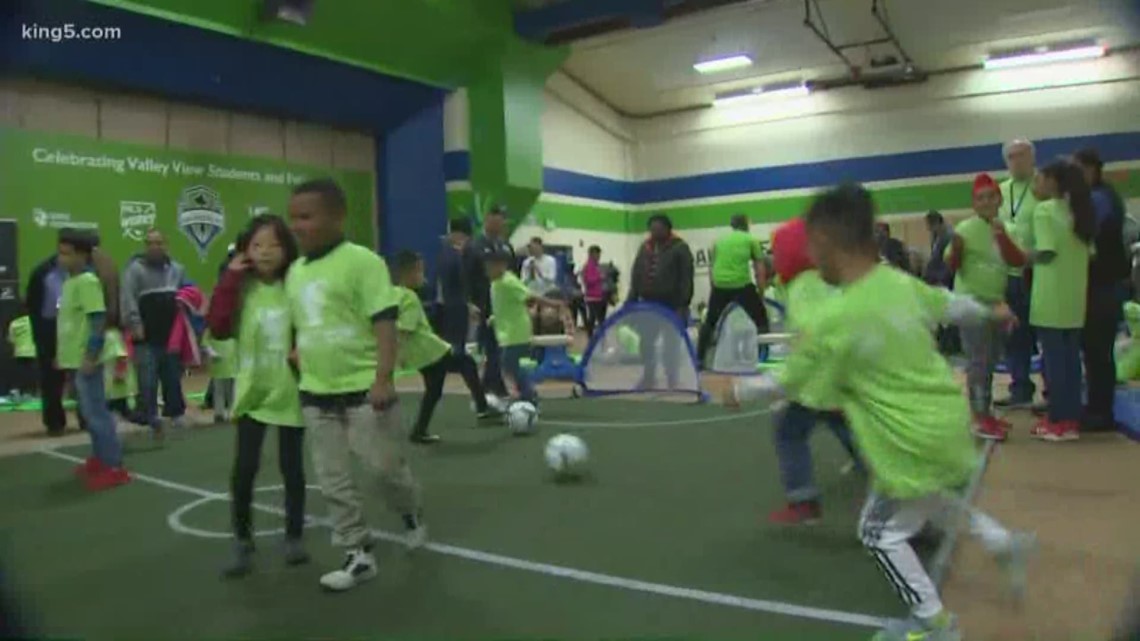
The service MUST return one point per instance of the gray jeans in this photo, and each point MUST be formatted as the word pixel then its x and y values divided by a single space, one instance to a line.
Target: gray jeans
pixel 982 345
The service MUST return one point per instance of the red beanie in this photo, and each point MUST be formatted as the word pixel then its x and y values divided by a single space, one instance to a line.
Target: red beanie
pixel 983 181
pixel 790 250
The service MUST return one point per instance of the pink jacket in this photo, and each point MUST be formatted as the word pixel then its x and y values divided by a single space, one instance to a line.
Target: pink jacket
pixel 592 281
pixel 183 339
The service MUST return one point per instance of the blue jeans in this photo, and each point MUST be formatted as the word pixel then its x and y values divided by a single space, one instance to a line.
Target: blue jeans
pixel 1019 345
pixel 1062 354
pixel 100 422
pixel 511 357
pixel 794 451
pixel 157 367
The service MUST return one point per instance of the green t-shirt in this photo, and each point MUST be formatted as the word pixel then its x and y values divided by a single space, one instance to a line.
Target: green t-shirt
pixel 983 272
pixel 115 353
pixel 266 385
pixel 419 345
pixel 804 295
pixel 872 349
pixel 80 296
pixel 1059 286
pixel 1017 207
pixel 223 365
pixel 20 336
pixel 333 301
pixel 508 303
pixel 732 259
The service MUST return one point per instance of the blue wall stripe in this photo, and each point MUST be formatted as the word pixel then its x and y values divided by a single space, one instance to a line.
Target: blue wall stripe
pixel 919 164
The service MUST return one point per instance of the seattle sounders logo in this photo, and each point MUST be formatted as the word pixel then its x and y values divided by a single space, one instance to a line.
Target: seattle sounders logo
pixel 201 217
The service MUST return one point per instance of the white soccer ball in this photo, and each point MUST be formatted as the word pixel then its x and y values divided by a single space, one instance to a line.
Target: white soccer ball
pixel 521 417
pixel 566 454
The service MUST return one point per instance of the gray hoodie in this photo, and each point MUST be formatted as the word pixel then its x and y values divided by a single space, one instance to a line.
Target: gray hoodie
pixel 148 297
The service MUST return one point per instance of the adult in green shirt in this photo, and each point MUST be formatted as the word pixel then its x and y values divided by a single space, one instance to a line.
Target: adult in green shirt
pixel 737 259
pixel 1018 204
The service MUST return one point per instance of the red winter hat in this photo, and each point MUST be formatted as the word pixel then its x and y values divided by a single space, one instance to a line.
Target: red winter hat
pixel 790 250
pixel 983 181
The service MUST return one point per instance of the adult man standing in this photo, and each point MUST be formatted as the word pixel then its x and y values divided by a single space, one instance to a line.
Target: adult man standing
pixel 539 270
pixel 150 286
pixel 492 242
pixel 891 249
pixel 939 274
pixel 737 259
pixel 1016 211
pixel 662 274
pixel 42 299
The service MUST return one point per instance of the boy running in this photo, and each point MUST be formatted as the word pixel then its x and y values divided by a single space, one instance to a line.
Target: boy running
pixel 344 312
pixel 982 253
pixel 872 349
pixel 420 349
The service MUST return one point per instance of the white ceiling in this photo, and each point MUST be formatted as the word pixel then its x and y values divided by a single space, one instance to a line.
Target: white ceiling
pixel 651 71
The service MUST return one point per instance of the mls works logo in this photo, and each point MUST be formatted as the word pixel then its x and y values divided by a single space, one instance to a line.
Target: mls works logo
pixel 136 218
pixel 201 217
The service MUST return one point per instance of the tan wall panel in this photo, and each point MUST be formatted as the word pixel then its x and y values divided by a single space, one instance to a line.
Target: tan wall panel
pixel 59 109
pixel 133 119
pixel 353 150
pixel 308 144
pixel 259 136
pixel 198 128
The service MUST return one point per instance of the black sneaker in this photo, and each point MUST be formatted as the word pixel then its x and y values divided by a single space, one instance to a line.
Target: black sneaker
pixel 242 562
pixel 295 553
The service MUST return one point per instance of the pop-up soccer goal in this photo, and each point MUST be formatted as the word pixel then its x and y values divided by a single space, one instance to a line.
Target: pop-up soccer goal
pixel 643 348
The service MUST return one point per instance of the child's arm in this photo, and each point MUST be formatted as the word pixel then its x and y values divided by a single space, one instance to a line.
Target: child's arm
pixel 225 302
pixel 1010 252
pixel 954 252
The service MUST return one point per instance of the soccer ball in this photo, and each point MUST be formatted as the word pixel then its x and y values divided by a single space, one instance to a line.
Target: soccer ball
pixel 566 454
pixel 521 417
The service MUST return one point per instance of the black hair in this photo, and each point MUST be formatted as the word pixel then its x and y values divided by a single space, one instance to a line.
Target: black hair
pixel 594 249
pixel 934 218
pixel 1090 157
pixel 460 225
pixel 284 237
pixel 329 191
pixel 405 260
pixel 660 218
pixel 80 240
pixel 1071 185
pixel 739 222
pixel 536 241
pixel 847 212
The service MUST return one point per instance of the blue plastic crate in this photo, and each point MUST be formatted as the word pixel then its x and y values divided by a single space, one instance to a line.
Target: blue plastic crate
pixel 1126 408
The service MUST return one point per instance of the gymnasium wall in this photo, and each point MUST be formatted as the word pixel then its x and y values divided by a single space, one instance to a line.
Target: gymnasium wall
pixel 59 116
pixel 917 147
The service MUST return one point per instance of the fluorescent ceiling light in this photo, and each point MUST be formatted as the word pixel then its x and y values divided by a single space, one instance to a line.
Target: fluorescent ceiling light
pixel 717 65
pixel 762 93
pixel 1043 56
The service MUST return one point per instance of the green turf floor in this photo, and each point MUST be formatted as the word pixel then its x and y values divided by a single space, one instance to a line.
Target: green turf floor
pixel 679 504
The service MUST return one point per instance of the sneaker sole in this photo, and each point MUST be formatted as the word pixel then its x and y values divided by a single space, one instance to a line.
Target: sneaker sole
pixel 990 437
pixel 356 581
pixel 1060 438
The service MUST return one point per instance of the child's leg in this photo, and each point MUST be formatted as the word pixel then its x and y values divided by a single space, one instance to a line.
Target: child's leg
pixel 434 376
pixel 466 367
pixel 511 360
pixel 1071 395
pixel 375 437
pixel 247 460
pixel 100 422
pixel 291 459
pixel 885 529
pixel 837 423
pixel 794 453
pixel 229 385
pixel 975 343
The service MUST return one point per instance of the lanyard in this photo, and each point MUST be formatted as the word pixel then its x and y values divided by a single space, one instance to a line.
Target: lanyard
pixel 1015 205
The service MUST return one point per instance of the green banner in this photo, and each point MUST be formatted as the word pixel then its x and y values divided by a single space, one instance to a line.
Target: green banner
pixel 200 201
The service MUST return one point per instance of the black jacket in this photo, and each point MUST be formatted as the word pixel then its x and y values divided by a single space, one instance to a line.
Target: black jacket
pixel 663 274
pixel 34 295
pixel 1110 266
pixel 479 286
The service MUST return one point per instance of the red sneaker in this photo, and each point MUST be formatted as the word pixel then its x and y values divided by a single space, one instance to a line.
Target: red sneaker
pixel 989 428
pixel 1063 431
pixel 1041 428
pixel 802 513
pixel 1004 424
pixel 108 478
pixel 90 467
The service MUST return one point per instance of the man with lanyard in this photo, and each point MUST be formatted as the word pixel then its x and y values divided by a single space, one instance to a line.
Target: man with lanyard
pixel 493 241
pixel 1016 211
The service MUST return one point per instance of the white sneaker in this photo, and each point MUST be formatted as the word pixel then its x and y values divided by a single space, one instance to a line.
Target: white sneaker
pixel 415 539
pixel 359 566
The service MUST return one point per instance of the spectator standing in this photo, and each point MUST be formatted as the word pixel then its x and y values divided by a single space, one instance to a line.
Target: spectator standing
pixel 1018 205
pixel 662 274
pixel 539 270
pixel 891 250
pixel 594 290
pixel 42 298
pixel 493 242
pixel 737 276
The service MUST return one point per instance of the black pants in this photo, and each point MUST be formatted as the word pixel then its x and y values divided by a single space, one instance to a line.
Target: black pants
pixel 1102 319
pixel 290 456
pixel 434 377
pixel 51 379
pixel 27 376
pixel 749 300
pixel 595 315
pixel 492 369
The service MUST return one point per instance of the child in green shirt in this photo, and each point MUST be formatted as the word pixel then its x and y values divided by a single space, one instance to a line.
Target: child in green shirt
pixel 119 375
pixel 872 350
pixel 81 335
pixel 981 252
pixel 420 349
pixel 223 369
pixel 24 351
pixel 510 299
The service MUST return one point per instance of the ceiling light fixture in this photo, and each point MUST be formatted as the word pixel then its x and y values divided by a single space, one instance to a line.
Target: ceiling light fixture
pixel 797 90
pixel 717 65
pixel 1044 55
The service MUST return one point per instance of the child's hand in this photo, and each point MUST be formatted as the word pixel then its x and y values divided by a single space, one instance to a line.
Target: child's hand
pixel 239 263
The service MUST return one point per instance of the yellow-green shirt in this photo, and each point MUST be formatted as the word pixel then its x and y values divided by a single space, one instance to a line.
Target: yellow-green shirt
pixel 1057 300
pixel 805 294
pixel 115 352
pixel 1016 211
pixel 80 296
pixel 419 345
pixel 508 303
pixel 266 385
pixel 982 273
pixel 223 363
pixel 733 254
pixel 20 336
